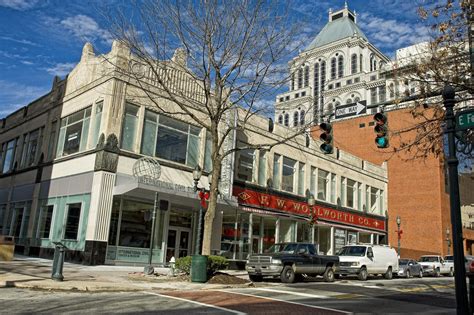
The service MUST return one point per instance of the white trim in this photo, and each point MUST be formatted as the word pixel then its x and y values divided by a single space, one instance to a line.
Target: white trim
pixel 195 302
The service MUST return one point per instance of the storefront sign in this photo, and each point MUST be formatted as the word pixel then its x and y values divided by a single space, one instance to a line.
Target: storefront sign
pixel 166 185
pixel 262 200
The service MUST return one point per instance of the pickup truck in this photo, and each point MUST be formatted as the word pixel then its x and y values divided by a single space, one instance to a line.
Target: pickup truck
pixel 436 266
pixel 290 261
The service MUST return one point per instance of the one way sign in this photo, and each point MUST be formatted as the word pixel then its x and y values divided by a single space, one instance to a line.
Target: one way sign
pixel 353 109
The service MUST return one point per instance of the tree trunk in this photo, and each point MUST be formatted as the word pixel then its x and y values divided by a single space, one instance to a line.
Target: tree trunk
pixel 211 209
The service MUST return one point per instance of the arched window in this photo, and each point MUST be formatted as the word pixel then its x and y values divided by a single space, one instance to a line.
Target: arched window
pixel 333 68
pixel 360 62
pixel 287 119
pixel 302 113
pixel 306 76
pixel 323 74
pixel 295 119
pixel 349 100
pixel 300 78
pixel 371 63
pixel 354 63
pixel 280 119
pixel 340 67
pixel 375 64
pixel 293 81
pixel 316 82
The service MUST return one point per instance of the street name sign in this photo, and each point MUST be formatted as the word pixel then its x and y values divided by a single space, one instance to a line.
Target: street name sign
pixel 352 109
pixel 465 119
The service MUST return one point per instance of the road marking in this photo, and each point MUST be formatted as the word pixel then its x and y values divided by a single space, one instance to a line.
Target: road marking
pixel 195 302
pixel 284 301
pixel 293 293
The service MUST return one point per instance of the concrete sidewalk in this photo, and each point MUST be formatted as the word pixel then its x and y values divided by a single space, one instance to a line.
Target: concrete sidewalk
pixel 35 273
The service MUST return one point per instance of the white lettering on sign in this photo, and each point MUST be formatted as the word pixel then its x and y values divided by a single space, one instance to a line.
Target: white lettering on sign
pixel 356 109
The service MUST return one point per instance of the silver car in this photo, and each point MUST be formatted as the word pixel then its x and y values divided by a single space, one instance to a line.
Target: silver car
pixel 409 268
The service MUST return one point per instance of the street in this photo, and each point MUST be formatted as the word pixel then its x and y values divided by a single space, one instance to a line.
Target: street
pixel 376 296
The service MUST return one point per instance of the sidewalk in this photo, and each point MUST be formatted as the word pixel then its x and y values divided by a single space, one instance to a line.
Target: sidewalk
pixel 35 273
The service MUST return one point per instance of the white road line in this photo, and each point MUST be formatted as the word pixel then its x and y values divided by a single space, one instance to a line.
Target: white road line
pixel 293 293
pixel 198 303
pixel 284 301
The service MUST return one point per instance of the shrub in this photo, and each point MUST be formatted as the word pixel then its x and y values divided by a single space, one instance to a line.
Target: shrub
pixel 214 263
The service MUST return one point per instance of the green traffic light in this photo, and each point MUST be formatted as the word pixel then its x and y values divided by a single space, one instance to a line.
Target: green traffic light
pixel 381 142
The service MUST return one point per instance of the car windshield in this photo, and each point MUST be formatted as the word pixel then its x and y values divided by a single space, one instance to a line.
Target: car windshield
pixel 282 248
pixel 429 259
pixel 403 262
pixel 352 251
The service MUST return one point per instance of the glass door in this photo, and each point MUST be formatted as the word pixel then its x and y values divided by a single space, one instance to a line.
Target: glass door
pixel 170 250
pixel 183 243
pixel 178 242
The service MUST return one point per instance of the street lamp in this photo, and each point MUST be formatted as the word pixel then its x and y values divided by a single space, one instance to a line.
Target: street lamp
pixel 448 240
pixel 203 195
pixel 399 221
pixel 311 202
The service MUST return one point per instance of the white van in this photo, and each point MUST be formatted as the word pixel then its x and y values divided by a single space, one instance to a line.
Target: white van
pixel 366 259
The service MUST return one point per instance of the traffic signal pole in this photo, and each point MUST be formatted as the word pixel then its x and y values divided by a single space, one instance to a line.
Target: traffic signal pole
pixel 462 306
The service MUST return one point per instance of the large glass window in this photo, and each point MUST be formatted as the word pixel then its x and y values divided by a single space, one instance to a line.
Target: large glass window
pixel 276 171
pixel 262 167
pixel 373 200
pixel 171 139
pixel 97 122
pixel 9 156
pixel 306 76
pixel 312 181
pixel 343 191
pixel 333 68
pixel 129 127
pixel 301 178
pixel 351 189
pixel 73 132
pixel 17 221
pixel 288 174
pixel 45 218
pixel 373 95
pixel 359 197
pixel 300 78
pixel 245 164
pixel 333 188
pixel 30 148
pixel 72 221
pixel 323 178
pixel 382 93
pixel 354 63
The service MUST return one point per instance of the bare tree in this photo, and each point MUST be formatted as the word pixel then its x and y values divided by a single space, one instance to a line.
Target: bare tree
pixel 445 59
pixel 231 57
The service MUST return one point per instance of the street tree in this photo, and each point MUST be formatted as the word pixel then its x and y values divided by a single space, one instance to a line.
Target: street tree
pixel 212 63
pixel 444 60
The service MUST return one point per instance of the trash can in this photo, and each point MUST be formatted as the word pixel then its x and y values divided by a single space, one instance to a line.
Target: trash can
pixel 7 247
pixel 199 268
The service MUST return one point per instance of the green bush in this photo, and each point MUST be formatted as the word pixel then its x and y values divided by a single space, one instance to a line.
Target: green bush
pixel 184 264
pixel 214 263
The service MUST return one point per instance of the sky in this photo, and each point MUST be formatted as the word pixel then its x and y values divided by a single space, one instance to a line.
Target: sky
pixel 40 39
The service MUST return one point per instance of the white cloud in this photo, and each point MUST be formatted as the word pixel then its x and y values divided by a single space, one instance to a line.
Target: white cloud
pixel 61 69
pixel 18 4
pixel 86 28
pixel 391 33
pixel 21 41
pixel 15 95
pixel 28 63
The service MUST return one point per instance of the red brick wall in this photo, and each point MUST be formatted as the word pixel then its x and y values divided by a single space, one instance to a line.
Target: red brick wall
pixel 416 189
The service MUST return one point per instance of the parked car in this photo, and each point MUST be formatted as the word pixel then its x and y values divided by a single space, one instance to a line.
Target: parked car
pixel 363 260
pixel 436 266
pixel 290 261
pixel 449 259
pixel 409 268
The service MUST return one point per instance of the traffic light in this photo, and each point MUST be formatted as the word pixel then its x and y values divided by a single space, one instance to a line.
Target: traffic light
pixel 326 137
pixel 381 129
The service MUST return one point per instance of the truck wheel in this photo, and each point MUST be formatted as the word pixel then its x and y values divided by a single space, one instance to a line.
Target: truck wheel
pixel 362 275
pixel 451 272
pixel 255 278
pixel 288 275
pixel 437 273
pixel 389 275
pixel 329 275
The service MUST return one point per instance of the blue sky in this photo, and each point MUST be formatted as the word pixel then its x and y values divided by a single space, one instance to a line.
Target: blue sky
pixel 43 38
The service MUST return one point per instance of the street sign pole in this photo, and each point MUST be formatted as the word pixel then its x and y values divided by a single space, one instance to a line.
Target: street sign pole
pixel 462 306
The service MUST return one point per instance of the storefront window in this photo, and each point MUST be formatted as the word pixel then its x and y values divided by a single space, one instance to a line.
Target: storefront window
pixel 288 174
pixel 322 184
pixel 351 191
pixel 256 237
pixel 235 242
pixel 303 233
pixel 135 227
pixel 269 232
pixel 287 231
pixel 72 221
pixel 339 239
pixel 324 237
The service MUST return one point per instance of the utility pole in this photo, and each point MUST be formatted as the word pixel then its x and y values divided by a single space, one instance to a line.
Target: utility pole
pixel 462 306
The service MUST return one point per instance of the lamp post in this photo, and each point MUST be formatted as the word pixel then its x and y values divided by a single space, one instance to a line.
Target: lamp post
pixel 399 222
pixel 462 306
pixel 448 240
pixel 197 173
pixel 148 270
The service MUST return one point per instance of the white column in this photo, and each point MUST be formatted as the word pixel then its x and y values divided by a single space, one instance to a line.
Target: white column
pixel 331 240
pixel 277 231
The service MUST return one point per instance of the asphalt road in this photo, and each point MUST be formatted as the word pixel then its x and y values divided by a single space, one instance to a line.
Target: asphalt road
pixel 377 296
